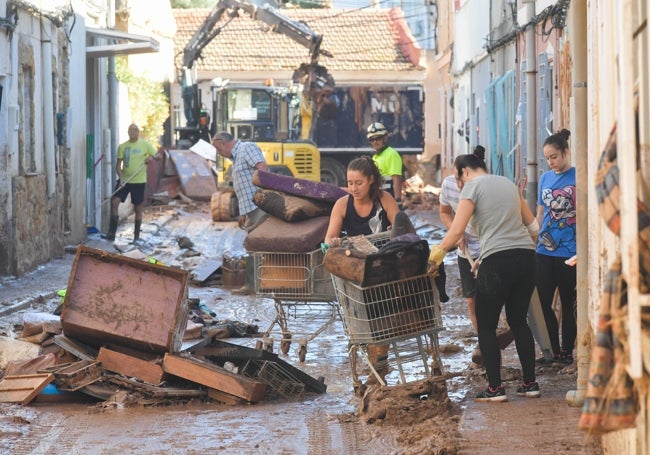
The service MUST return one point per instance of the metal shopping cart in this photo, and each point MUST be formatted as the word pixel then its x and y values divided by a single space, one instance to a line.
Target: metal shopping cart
pixel 403 314
pixel 302 289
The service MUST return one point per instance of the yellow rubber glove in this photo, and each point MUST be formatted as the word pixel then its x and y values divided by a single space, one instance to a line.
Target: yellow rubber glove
pixel 436 256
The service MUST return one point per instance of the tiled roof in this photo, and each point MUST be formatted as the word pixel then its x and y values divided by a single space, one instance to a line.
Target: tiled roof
pixel 360 40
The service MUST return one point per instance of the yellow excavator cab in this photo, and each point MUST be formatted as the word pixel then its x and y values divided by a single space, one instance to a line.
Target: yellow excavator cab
pixel 299 159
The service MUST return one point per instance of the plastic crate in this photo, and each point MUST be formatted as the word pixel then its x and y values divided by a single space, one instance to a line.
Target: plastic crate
pixel 394 310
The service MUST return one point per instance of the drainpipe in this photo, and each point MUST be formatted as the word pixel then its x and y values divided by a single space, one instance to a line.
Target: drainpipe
pixel 577 29
pixel 531 109
pixel 112 120
pixel 113 109
pixel 48 109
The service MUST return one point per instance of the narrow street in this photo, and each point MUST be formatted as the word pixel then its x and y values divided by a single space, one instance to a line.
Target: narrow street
pixel 323 424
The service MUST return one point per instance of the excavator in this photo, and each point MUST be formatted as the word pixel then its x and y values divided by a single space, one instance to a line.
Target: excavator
pixel 298 158
pixel 315 79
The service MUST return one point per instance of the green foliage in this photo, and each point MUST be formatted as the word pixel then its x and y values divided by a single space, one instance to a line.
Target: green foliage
pixel 148 103
pixel 184 4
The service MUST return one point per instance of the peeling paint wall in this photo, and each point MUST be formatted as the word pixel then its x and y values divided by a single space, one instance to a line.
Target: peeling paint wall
pixel 33 223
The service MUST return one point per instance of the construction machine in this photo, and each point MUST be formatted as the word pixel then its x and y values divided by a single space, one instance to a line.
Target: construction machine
pixel 299 158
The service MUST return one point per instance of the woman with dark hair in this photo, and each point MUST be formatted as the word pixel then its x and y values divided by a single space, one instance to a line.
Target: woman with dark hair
pixel 507 230
pixel 556 215
pixel 468 248
pixel 366 210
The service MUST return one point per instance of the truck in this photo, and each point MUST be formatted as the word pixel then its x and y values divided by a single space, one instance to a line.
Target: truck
pixel 271 114
pixel 310 127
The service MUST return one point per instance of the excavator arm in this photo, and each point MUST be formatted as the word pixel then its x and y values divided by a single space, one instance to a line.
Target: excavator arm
pixel 314 77
pixel 265 12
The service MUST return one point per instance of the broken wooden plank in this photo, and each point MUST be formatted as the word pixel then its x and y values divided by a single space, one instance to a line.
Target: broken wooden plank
pixel 225 398
pixel 193 331
pixel 23 388
pixel 77 375
pixel 224 351
pixel 154 391
pixel 146 370
pixel 76 348
pixel 215 377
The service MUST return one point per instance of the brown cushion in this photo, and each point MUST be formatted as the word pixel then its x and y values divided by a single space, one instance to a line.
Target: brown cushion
pixel 276 235
pixel 288 207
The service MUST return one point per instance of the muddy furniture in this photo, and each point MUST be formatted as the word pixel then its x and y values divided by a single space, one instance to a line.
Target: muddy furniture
pixel 128 302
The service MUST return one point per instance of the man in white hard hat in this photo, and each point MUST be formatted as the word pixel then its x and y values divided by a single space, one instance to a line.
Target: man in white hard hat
pixel 387 159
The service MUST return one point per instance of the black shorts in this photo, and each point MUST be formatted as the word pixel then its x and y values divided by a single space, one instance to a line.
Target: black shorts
pixel 136 190
pixel 467 280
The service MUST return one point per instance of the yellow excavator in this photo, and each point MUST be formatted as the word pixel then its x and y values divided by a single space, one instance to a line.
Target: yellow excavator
pixel 299 158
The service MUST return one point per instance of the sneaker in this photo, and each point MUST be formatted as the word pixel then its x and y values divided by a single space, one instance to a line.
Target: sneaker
pixel 490 394
pixel 565 357
pixel 108 236
pixel 547 361
pixel 530 390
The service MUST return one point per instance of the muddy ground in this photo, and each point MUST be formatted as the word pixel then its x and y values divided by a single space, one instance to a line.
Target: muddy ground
pixel 423 417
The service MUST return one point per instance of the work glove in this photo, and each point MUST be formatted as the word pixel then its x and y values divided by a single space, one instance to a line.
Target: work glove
pixel 436 256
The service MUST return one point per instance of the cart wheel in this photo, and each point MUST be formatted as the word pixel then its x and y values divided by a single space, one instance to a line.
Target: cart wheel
pixel 302 352
pixel 359 389
pixel 285 344
pixel 268 344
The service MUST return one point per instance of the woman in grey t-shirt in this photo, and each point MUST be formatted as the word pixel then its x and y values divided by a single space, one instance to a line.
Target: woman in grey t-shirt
pixel 507 230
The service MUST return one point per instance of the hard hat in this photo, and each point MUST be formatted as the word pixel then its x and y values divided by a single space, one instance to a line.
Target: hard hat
pixel 376 129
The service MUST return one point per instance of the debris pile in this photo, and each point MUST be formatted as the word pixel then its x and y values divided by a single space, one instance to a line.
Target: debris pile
pixel 128 333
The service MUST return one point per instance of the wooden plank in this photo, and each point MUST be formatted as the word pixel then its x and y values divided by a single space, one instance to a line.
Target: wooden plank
pixel 225 398
pixel 155 391
pixel 23 388
pixel 76 348
pixel 215 377
pixel 78 375
pixel 146 370
pixel 224 351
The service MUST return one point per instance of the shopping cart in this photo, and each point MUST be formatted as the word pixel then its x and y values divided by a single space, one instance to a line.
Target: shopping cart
pixel 403 314
pixel 302 289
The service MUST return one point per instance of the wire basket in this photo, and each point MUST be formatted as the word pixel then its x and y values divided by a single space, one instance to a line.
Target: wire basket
pixel 277 379
pixel 391 311
pixel 293 276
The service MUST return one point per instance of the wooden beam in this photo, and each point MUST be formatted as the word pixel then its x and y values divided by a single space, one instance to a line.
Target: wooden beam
pixel 214 376
pixel 148 371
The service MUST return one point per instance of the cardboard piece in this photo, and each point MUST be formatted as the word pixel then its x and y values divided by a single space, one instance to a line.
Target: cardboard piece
pixel 12 349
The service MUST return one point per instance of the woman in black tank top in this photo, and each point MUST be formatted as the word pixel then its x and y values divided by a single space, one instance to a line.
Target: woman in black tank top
pixel 367 209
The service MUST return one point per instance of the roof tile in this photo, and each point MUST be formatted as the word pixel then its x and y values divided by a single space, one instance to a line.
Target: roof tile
pixel 360 40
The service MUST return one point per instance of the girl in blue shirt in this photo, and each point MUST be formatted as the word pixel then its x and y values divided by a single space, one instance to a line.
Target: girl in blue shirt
pixel 556 243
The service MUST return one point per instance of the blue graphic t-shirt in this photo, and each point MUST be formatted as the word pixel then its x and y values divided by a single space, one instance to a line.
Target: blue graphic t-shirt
pixel 557 194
